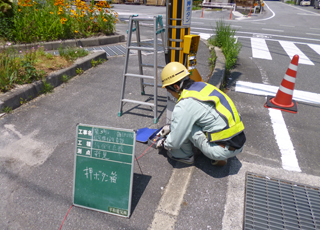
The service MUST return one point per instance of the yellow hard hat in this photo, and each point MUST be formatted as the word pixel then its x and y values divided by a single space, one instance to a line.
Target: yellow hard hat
pixel 172 73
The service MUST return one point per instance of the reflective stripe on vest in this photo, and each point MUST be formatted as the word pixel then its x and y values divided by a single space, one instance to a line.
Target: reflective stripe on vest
pixel 224 106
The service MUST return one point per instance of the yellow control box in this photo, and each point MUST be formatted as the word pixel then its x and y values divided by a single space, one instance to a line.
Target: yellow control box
pixel 190 49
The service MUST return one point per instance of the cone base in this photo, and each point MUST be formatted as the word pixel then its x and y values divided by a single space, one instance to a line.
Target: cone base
pixel 273 101
pixel 269 104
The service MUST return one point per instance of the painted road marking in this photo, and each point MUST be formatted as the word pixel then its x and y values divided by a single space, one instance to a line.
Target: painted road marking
pixel 265 90
pixel 313 34
pixel 288 154
pixel 272 30
pixel 260 49
pixel 291 49
pixel 316 48
pixel 169 205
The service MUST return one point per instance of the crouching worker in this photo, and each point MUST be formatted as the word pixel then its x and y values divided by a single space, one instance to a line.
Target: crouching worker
pixel 203 116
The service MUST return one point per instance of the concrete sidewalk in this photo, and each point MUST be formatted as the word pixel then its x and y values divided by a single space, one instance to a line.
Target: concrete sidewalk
pixel 38 146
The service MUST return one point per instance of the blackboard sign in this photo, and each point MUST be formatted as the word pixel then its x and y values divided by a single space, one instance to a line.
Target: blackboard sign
pixel 103 169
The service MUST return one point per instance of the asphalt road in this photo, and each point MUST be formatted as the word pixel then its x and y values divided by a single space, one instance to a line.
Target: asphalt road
pixel 38 145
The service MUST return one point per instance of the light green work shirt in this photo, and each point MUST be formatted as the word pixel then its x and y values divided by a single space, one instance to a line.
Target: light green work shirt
pixel 189 112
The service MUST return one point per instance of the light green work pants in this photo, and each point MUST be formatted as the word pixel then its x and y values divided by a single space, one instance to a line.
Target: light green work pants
pixel 200 141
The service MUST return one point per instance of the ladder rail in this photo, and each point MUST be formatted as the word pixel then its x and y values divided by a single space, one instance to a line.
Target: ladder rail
pixel 125 68
pixel 135 20
pixel 155 69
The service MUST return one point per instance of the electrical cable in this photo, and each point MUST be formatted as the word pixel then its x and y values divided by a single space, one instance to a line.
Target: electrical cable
pixel 147 148
pixel 65 217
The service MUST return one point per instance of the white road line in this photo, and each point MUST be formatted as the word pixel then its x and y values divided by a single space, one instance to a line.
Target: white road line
pixel 291 49
pixel 288 154
pixel 307 14
pixel 264 19
pixel 169 205
pixel 195 28
pixel 313 34
pixel 259 23
pixel 264 35
pixel 201 23
pixel 272 30
pixel 316 48
pixel 287 26
pixel 260 49
pixel 203 35
pixel 299 8
pixel 265 90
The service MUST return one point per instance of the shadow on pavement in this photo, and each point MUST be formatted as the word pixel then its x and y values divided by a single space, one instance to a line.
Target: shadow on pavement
pixel 142 110
pixel 203 163
pixel 140 183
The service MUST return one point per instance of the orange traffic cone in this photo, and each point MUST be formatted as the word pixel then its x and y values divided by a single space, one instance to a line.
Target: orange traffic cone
pixel 283 99
pixel 202 13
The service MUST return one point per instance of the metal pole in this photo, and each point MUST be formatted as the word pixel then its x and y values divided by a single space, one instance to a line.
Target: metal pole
pixel 155 70
pixel 125 65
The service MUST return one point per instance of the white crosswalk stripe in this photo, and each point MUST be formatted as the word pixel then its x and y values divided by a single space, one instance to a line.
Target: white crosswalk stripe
pixel 291 49
pixel 260 49
pixel 316 48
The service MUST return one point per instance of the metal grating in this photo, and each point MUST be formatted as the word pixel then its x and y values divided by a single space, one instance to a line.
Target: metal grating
pixel 279 204
pixel 113 50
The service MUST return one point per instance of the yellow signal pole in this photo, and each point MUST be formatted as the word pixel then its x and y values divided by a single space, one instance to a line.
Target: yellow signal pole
pixel 177 30
pixel 178 25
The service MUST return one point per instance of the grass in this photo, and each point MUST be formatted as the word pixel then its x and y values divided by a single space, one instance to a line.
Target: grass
pixel 23 67
pixel 212 59
pixel 35 21
pixel 47 87
pixel 225 39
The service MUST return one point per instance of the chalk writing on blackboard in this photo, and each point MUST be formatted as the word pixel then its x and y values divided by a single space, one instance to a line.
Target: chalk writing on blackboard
pixel 99 175
pixel 103 173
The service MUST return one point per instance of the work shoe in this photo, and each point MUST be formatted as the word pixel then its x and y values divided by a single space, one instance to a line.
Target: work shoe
pixel 188 161
pixel 219 163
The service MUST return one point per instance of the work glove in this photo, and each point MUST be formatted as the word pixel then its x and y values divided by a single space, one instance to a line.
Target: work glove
pixel 160 143
pixel 164 131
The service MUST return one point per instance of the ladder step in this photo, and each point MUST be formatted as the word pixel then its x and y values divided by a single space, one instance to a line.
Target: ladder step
pixel 141 48
pixel 139 76
pixel 138 102
pixel 142 19
pixel 150 65
pixel 151 84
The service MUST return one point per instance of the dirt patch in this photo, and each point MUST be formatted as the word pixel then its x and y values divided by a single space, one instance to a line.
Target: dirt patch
pixel 52 63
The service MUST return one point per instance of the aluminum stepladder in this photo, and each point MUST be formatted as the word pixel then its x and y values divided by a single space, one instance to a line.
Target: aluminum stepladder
pixel 157 29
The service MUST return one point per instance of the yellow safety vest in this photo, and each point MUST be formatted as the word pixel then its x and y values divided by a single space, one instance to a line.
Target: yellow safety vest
pixel 224 106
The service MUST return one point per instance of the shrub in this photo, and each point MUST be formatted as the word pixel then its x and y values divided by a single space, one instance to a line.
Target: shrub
pixel 6 19
pixel 47 20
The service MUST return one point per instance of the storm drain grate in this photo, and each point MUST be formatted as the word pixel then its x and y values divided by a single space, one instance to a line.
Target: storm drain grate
pixel 115 50
pixel 279 204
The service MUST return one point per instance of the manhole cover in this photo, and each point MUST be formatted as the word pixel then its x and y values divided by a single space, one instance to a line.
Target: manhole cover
pixel 279 204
